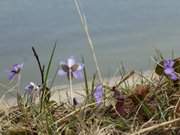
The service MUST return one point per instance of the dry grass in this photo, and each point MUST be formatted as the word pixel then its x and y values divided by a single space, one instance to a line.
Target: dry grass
pixel 148 111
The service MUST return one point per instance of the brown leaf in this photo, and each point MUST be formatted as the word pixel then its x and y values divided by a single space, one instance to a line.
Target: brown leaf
pixel 118 95
pixel 141 90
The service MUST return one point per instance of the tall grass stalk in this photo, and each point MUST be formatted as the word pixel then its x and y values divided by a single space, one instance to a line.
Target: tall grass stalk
pixel 85 26
pixel 50 63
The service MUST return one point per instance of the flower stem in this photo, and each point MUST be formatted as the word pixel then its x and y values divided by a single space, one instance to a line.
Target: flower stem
pixel 70 86
pixel 18 88
pixel 18 83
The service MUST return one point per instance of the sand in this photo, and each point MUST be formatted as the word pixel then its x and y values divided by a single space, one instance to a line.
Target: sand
pixel 59 93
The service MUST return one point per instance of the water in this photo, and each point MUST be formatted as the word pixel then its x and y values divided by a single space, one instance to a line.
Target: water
pixel 122 31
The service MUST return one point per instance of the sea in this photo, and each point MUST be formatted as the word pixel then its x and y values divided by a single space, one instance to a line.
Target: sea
pixel 123 32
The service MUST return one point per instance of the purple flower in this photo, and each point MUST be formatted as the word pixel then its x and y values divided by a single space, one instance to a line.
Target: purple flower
pixel 32 91
pixel 169 69
pixel 98 93
pixel 70 67
pixel 16 68
pixel 31 87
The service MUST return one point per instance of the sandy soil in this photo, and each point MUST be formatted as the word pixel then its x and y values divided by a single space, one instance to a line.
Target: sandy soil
pixel 59 93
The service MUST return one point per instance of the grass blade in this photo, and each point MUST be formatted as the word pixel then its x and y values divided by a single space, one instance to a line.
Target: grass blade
pixel 85 79
pixel 49 64
pixel 39 64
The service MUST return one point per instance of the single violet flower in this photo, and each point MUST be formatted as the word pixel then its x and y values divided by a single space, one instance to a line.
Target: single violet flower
pixel 169 69
pixel 70 67
pixel 32 90
pixel 16 68
pixel 31 87
pixel 98 93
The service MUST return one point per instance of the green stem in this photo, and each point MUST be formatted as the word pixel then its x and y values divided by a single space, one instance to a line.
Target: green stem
pixel 70 86
pixel 18 83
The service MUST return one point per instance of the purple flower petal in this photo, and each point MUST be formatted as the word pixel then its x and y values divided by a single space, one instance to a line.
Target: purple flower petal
pixel 78 74
pixel 168 63
pixel 11 75
pixel 31 87
pixel 20 66
pixel 98 94
pixel 17 67
pixel 173 76
pixel 80 67
pixel 169 71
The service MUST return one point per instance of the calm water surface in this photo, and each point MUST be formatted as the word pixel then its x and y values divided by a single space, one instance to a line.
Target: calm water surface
pixel 122 31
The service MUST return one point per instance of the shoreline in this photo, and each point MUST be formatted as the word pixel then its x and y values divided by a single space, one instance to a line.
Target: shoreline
pixel 59 92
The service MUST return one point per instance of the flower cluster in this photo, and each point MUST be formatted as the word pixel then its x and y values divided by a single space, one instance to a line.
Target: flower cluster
pixel 169 69
pixel 74 70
